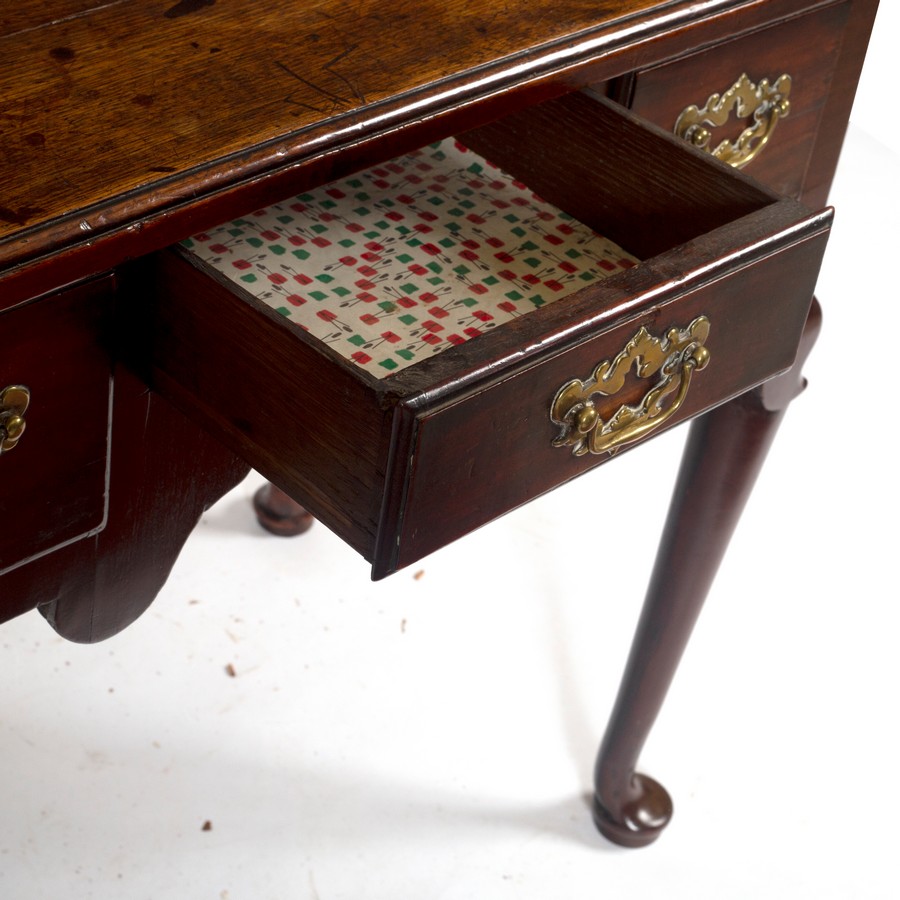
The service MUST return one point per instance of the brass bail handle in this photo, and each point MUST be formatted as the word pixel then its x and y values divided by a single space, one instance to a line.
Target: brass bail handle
pixel 674 358
pixel 765 102
pixel 14 401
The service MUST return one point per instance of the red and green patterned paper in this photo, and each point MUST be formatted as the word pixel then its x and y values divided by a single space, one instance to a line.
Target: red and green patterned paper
pixel 411 257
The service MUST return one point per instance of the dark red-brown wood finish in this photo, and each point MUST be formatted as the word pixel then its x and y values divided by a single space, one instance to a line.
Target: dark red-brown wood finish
pixel 127 126
pixel 724 453
pixel 164 472
pixel 200 126
pixel 58 347
pixel 806 48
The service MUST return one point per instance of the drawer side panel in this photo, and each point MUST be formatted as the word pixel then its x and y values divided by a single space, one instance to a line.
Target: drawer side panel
pixel 300 419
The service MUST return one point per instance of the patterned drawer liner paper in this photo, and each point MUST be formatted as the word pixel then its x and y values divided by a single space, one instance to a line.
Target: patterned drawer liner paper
pixel 399 262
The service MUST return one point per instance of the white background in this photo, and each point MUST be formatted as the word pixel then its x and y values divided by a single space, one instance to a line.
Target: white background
pixel 433 737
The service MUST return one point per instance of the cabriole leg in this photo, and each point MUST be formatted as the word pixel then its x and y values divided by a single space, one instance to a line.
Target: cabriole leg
pixel 724 453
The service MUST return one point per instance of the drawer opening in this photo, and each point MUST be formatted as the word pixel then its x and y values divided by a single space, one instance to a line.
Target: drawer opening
pixel 397 263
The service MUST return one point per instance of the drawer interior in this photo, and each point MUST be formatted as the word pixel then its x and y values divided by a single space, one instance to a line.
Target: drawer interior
pixel 408 258
pixel 360 444
pixel 423 252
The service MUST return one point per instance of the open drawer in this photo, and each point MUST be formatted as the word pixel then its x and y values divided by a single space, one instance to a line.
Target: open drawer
pixel 401 464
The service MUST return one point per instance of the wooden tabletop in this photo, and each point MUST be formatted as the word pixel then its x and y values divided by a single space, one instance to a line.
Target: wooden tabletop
pixel 115 114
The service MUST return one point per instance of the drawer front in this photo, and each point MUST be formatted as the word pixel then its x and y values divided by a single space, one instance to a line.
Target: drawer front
pixel 805 49
pixel 484 454
pixel 54 480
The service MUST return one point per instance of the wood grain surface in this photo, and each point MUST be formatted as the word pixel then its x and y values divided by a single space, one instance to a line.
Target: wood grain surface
pixel 115 115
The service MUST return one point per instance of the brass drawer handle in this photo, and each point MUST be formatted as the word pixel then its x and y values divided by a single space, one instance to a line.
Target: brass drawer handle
pixel 13 403
pixel 675 357
pixel 767 103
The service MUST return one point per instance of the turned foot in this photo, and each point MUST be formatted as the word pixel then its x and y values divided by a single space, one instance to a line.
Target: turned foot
pixel 278 513
pixel 638 817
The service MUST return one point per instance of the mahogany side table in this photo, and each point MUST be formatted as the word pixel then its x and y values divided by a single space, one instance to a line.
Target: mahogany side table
pixel 138 385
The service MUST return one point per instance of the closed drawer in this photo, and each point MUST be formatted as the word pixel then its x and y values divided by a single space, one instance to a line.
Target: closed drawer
pixel 400 465
pixel 724 85
pixel 54 480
